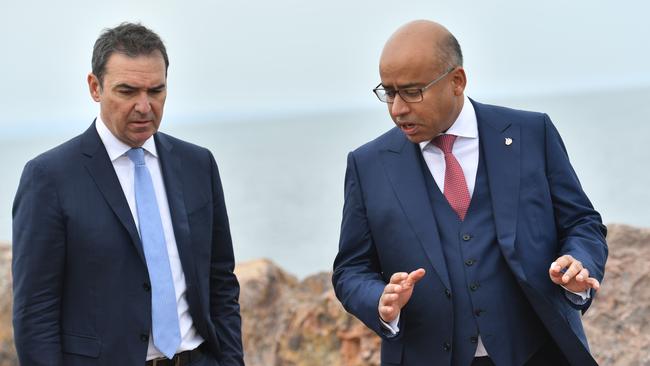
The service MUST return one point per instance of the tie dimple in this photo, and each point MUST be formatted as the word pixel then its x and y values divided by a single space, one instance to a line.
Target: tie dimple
pixel 455 190
pixel 136 155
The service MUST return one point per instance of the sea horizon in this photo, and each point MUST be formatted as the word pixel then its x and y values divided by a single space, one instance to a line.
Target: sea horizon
pixel 283 175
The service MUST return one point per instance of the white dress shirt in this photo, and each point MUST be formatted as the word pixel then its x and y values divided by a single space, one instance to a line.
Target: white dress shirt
pixel 466 150
pixel 124 168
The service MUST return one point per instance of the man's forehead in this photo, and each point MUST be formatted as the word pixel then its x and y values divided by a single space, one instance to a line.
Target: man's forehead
pixel 407 72
pixel 138 72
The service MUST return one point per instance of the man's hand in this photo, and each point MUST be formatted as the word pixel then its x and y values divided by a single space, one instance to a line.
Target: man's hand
pixel 397 293
pixel 569 272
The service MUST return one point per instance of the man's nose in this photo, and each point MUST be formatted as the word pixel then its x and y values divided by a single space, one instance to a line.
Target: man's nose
pixel 143 104
pixel 399 107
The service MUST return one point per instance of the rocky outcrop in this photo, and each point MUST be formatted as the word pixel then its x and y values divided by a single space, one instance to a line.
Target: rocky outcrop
pixel 618 323
pixel 7 349
pixel 292 323
pixel 287 322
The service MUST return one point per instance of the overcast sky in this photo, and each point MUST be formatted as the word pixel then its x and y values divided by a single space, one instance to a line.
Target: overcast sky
pixel 234 60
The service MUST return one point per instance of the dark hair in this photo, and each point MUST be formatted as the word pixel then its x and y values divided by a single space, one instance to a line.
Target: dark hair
pixel 450 52
pixel 129 39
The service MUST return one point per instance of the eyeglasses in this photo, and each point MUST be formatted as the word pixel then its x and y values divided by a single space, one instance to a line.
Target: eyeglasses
pixel 409 95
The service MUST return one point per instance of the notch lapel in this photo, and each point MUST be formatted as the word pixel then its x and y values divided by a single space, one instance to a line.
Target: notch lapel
pixel 101 170
pixel 170 165
pixel 501 147
pixel 405 175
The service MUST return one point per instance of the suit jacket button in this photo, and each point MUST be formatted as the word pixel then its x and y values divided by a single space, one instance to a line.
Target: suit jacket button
pixel 469 262
pixel 473 286
pixel 466 237
pixel 446 347
pixel 144 337
pixel 146 286
pixel 448 293
pixel 478 312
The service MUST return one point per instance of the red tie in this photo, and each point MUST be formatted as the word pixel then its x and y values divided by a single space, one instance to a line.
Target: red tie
pixel 455 186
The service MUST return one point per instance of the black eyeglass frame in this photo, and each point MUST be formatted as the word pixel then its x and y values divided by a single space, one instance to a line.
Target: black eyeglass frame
pixel 412 98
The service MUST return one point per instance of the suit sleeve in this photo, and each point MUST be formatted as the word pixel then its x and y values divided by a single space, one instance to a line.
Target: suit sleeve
pixel 580 230
pixel 224 287
pixel 357 276
pixel 37 268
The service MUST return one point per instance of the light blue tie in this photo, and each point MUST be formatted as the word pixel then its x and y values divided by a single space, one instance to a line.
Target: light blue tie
pixel 165 327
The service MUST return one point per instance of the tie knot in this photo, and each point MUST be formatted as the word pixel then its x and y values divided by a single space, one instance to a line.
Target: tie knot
pixel 445 142
pixel 136 155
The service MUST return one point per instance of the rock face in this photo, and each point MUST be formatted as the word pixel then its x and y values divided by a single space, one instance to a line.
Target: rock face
pixel 287 322
pixel 618 322
pixel 291 323
pixel 7 350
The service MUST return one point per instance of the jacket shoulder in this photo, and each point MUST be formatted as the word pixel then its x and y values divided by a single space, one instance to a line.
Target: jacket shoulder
pixel 490 112
pixel 60 155
pixel 391 138
pixel 181 145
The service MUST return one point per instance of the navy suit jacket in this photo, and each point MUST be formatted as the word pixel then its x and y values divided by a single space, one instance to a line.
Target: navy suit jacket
pixel 81 287
pixel 540 212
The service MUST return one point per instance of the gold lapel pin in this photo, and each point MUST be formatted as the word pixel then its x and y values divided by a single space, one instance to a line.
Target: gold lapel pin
pixel 508 141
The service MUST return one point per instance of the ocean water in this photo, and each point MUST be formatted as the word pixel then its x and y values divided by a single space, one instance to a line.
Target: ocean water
pixel 283 177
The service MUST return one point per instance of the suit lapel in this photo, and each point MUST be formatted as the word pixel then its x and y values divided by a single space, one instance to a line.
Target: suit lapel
pixel 172 173
pixel 501 147
pixel 101 170
pixel 404 172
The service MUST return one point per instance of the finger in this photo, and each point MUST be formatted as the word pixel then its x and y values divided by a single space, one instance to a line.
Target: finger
pixel 392 289
pixel 398 277
pixel 388 299
pixel 564 261
pixel 573 270
pixel 582 275
pixel 555 273
pixel 555 270
pixel 593 283
pixel 414 277
pixel 417 275
pixel 387 313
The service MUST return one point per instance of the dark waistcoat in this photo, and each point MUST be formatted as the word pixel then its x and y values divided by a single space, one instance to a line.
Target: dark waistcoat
pixel 486 297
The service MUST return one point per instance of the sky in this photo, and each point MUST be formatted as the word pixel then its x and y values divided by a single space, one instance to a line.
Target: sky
pixel 236 60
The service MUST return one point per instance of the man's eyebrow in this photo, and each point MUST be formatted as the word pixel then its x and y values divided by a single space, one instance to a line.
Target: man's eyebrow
pixel 131 87
pixel 404 86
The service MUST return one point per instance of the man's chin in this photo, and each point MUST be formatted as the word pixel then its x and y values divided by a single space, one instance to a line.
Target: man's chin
pixel 138 139
pixel 415 138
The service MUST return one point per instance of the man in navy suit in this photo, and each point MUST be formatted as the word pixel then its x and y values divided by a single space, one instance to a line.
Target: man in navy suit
pixel 122 252
pixel 466 237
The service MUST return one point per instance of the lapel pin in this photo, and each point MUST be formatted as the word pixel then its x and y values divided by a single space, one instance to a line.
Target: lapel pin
pixel 508 141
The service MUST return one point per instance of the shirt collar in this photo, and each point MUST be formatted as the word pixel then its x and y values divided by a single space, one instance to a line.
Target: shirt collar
pixel 116 148
pixel 464 126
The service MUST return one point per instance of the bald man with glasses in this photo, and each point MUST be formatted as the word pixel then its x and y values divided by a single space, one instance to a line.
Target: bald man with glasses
pixel 466 237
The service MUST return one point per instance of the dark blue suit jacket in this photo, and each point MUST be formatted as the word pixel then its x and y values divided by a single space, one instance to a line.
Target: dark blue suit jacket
pixel 540 213
pixel 81 287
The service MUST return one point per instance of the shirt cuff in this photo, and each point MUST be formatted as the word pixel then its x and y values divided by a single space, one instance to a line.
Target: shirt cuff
pixel 392 327
pixel 578 298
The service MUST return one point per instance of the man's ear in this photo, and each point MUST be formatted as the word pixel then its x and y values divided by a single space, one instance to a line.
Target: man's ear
pixel 94 87
pixel 460 81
